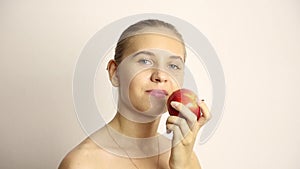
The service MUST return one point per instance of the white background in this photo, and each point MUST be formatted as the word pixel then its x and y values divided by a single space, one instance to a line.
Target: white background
pixel 257 43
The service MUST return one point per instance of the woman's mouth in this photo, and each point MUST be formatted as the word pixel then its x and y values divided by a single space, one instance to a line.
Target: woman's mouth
pixel 158 93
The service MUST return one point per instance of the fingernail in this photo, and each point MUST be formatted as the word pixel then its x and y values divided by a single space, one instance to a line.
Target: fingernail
pixel 174 104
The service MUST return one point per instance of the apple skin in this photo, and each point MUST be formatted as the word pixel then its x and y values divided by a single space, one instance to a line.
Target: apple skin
pixel 187 98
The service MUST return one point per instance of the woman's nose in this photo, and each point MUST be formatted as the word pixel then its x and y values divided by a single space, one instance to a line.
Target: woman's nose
pixel 159 76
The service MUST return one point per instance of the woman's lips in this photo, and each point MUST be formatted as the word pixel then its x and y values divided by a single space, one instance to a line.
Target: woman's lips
pixel 157 93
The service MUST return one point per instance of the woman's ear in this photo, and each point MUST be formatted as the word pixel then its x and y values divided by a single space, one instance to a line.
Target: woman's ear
pixel 112 71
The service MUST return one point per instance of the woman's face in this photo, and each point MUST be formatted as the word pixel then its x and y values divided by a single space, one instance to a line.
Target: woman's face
pixel 152 68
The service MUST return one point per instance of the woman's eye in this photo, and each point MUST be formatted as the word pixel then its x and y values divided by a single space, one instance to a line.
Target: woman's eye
pixel 145 61
pixel 173 66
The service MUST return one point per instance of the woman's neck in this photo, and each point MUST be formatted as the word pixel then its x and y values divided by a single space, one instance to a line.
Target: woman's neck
pixel 134 129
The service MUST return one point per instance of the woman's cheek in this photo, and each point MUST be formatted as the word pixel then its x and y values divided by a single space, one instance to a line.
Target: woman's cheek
pixel 137 96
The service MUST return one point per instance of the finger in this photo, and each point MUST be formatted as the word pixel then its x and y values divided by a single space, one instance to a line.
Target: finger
pixel 181 123
pixel 205 113
pixel 177 136
pixel 185 112
pixel 203 118
pixel 186 140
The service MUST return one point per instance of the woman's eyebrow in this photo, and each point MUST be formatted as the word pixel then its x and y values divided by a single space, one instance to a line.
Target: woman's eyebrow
pixel 143 52
pixel 177 57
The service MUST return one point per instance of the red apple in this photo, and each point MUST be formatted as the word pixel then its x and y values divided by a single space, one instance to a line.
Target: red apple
pixel 187 98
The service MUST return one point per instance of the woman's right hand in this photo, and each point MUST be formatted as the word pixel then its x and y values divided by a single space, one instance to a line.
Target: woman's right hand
pixel 185 130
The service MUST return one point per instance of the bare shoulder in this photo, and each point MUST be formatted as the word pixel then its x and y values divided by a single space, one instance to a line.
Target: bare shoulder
pixel 86 155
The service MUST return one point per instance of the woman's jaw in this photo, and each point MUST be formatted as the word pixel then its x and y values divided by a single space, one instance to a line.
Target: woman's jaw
pixel 134 129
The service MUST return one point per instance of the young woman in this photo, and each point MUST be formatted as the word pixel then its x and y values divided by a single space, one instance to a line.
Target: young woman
pixel 148 66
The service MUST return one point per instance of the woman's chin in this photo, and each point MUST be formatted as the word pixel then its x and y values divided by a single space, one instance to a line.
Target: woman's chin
pixel 155 110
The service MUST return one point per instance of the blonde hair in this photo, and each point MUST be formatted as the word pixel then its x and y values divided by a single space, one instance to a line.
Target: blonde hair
pixel 141 27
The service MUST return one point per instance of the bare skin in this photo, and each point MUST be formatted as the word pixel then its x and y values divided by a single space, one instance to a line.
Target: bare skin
pixel 89 155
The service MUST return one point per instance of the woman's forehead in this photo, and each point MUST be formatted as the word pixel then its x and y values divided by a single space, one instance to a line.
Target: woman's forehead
pixel 154 41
